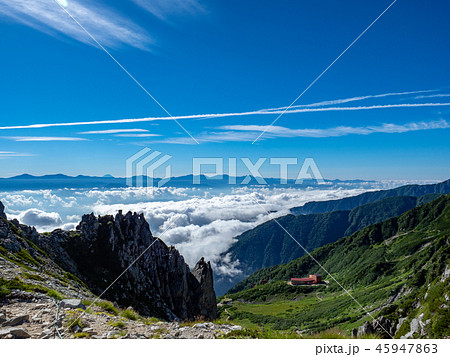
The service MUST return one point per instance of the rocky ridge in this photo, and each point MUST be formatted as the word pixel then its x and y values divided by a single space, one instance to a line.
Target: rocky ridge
pixel 156 281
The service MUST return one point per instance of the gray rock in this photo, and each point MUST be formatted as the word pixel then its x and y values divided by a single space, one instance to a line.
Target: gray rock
pixel 111 334
pixel 2 211
pixel 45 333
pixel 76 329
pixel 235 328
pixel 72 304
pixel 446 274
pixel 381 326
pixel 365 329
pixel 414 325
pixel 89 330
pixel 18 320
pixel 161 278
pixel 207 303
pixel 16 332
pixel 400 323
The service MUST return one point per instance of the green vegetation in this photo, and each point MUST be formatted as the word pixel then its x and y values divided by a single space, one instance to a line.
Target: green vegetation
pixel 54 294
pixel 69 277
pixel 107 306
pixel 150 320
pixel 129 314
pixel 404 257
pixel 268 244
pixel 32 276
pixel 25 256
pixel 14 229
pixel 119 324
pixel 265 333
pixel 81 335
pixel 74 318
pixel 6 285
pixel 4 291
pixel 349 203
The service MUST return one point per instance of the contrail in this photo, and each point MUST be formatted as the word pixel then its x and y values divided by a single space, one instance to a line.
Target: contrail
pixel 364 97
pixel 223 115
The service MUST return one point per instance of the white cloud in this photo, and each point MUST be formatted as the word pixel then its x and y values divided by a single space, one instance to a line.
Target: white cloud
pixel 207 226
pixel 239 133
pixel 40 219
pixel 74 217
pixel 108 27
pixel 21 200
pixel 9 154
pixel 137 135
pixel 307 108
pixel 115 131
pixel 69 226
pixel 279 131
pixel 198 224
pixel 357 99
pixel 43 138
pixel 165 8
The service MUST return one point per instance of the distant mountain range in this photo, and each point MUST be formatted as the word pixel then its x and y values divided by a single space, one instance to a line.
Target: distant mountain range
pixel 398 271
pixel 268 244
pixel 60 181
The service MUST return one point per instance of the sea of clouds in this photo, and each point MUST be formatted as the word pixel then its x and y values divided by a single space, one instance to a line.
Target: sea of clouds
pixel 198 222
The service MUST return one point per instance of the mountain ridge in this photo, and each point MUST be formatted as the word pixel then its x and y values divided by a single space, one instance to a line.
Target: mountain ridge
pixel 369 197
pixel 103 248
pixel 268 244
pixel 399 270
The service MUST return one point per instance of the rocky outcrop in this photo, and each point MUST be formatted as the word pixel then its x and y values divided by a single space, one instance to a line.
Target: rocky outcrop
pixel 207 298
pixel 380 326
pixel 118 257
pixel 2 211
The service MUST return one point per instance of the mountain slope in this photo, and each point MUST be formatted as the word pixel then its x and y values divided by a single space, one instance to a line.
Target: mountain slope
pixel 349 203
pixel 398 270
pixel 268 244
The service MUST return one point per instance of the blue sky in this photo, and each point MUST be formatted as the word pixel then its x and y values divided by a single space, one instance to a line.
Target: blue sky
pixel 220 57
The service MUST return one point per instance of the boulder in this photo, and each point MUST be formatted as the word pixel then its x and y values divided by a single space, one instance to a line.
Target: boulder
pixel 72 304
pixel 16 332
pixel 18 320
pixel 380 326
pixel 89 330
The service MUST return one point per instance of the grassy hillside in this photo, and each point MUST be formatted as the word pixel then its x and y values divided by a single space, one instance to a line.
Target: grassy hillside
pixel 268 244
pixel 398 269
